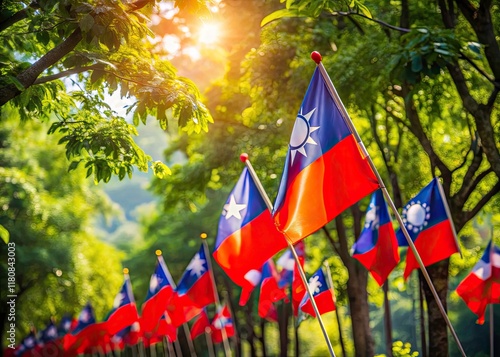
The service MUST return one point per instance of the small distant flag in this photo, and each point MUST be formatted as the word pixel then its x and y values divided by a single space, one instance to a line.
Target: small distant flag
pixel 86 318
pixel 159 293
pixel 49 333
pixel 429 226
pixel 322 293
pixel 200 324
pixel 377 246
pixel 124 312
pixel 325 170
pixel 269 290
pixel 222 320
pixel 194 291
pixel 482 286
pixel 247 236
pixel 286 264
pixel 27 344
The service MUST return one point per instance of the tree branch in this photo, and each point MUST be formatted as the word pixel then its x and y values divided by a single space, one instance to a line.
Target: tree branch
pixel 380 22
pixel 29 76
pixel 67 73
pixel 482 202
pixel 18 16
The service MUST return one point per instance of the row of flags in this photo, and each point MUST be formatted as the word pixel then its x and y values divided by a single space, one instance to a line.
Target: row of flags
pixel 327 170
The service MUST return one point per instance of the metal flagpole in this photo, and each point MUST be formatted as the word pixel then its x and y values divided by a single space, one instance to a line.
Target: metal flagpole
pixel 317 58
pixel 225 341
pixel 167 318
pixel 210 345
pixel 330 282
pixel 492 336
pixel 189 341
pixel 244 158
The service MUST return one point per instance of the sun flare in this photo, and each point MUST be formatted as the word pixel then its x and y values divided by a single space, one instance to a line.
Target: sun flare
pixel 209 34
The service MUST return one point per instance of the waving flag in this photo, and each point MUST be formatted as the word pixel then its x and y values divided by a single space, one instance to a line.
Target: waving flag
pixel 482 286
pixel 222 320
pixel 85 335
pixel 124 312
pixel 165 329
pixel 49 333
pixel 27 344
pixel 323 295
pixel 377 246
pixel 429 226
pixel 159 293
pixel 247 236
pixel 269 290
pixel 200 324
pixel 194 291
pixel 325 171
pixel 67 324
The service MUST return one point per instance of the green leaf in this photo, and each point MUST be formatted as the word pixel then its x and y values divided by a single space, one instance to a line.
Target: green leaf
pixel 4 234
pixel 416 64
pixel 279 15
pixel 87 22
pixel 364 10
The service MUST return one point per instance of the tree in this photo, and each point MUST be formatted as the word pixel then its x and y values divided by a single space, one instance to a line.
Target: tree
pixel 62 60
pixel 59 264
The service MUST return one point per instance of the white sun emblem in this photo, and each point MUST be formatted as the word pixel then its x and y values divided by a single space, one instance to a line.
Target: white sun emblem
pixel 301 134
pixel 315 284
pixel 372 219
pixel 84 316
pixel 197 265
pixel 232 209
pixel 153 283
pixel 416 216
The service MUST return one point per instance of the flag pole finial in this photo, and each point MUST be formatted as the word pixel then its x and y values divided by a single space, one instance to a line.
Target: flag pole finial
pixel 244 157
pixel 158 252
pixel 316 57
pixel 125 270
pixel 203 236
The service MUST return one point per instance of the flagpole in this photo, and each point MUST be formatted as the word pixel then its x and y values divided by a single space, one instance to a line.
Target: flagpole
pixel 246 161
pixel 172 284
pixel 227 349
pixel 189 341
pixel 210 345
pixel 316 57
pixel 448 214
pixel 330 282
pixel 492 339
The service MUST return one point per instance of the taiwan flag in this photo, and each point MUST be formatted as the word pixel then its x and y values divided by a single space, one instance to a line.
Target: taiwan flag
pixel 27 344
pixel 194 291
pixel 159 293
pixel 85 335
pixel 323 295
pixel 200 325
pixel 222 321
pixel 325 169
pixel 270 292
pixel 247 236
pixel 124 312
pixel 377 246
pixel 286 264
pixel 482 286
pixel 429 226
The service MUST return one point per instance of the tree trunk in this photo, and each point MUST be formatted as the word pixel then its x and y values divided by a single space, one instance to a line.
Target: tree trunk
pixel 283 320
pixel 438 330
pixel 358 303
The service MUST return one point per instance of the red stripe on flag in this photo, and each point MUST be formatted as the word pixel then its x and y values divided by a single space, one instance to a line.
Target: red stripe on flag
pixel 249 248
pixel 322 190
pixel 433 245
